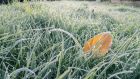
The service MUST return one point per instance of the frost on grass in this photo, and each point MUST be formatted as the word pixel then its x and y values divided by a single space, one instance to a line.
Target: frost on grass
pixel 44 40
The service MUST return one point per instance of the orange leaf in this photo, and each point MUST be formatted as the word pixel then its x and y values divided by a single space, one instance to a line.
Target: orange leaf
pixel 99 44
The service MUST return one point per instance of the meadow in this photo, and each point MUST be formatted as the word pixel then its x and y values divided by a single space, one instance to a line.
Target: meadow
pixel 44 40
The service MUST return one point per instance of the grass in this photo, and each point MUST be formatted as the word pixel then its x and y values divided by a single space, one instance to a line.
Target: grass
pixel 44 40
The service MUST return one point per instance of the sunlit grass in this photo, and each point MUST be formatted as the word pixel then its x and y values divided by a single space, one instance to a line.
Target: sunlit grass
pixel 44 40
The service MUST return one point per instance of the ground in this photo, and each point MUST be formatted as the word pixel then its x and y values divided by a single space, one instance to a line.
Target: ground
pixel 44 40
